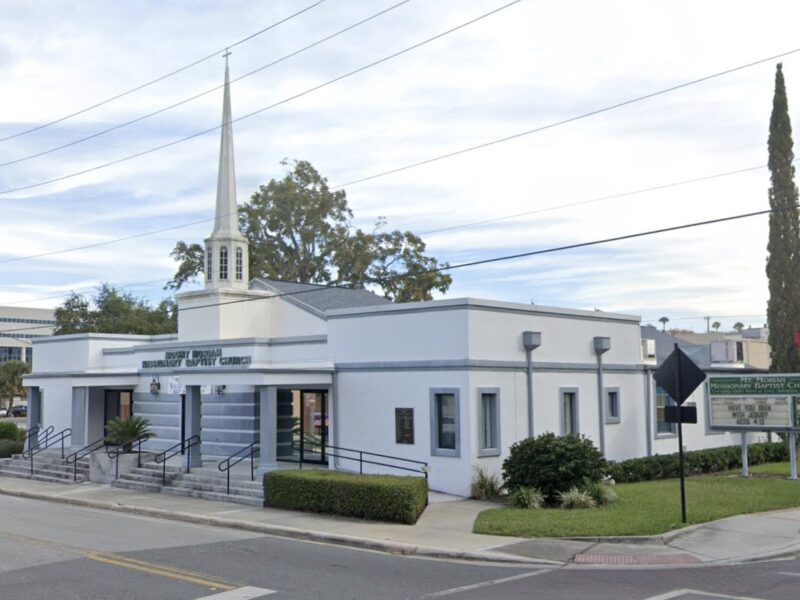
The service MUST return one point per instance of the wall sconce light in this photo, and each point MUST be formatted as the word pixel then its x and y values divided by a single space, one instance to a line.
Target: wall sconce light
pixel 155 386
pixel 219 390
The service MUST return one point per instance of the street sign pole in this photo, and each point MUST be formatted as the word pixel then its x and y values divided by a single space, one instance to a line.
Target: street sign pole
pixel 680 443
pixel 745 461
pixel 793 455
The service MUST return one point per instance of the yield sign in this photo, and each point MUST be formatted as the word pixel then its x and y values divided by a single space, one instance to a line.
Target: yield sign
pixel 679 376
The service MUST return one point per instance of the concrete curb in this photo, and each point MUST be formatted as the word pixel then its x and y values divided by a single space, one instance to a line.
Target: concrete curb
pixel 663 538
pixel 287 532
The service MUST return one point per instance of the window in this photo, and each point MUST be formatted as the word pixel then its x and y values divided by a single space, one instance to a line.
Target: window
pixel 223 262
pixel 239 264
pixel 8 353
pixel 29 356
pixel 662 401
pixel 209 264
pixel 445 437
pixel 612 405
pixel 488 422
pixel 569 411
pixel 739 352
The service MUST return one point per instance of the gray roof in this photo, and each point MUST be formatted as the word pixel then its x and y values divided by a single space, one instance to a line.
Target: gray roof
pixel 319 297
pixel 665 344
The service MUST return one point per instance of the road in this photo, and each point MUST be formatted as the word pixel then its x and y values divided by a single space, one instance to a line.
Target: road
pixel 50 550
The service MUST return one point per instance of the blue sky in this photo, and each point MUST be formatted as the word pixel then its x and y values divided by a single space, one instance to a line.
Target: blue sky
pixel 529 65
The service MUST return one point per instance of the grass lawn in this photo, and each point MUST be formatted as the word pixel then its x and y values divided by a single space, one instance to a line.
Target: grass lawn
pixel 770 469
pixel 649 508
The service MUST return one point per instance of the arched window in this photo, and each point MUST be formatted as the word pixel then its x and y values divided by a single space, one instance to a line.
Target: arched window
pixel 223 262
pixel 239 264
pixel 209 264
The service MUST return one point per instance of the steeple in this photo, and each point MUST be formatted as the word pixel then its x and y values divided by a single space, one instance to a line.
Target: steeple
pixel 226 249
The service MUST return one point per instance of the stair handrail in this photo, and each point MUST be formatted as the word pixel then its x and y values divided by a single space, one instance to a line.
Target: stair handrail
pixel 179 448
pixel 423 467
pixel 244 453
pixel 35 432
pixel 82 452
pixel 58 437
pixel 114 452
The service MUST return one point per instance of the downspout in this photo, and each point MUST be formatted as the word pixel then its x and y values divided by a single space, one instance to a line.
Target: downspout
pixel 530 341
pixel 601 346
pixel 648 411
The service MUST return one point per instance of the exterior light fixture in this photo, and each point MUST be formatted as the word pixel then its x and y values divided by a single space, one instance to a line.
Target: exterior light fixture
pixel 155 386
pixel 219 390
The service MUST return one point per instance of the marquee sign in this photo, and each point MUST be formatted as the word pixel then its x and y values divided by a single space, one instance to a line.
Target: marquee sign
pixel 754 402
pixel 209 357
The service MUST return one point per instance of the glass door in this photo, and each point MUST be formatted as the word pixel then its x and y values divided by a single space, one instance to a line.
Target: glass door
pixel 311 431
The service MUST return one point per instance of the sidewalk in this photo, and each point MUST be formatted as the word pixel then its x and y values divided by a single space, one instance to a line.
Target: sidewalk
pixel 445 530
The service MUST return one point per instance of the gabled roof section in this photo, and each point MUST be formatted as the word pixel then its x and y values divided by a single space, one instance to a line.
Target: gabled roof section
pixel 319 298
pixel 665 344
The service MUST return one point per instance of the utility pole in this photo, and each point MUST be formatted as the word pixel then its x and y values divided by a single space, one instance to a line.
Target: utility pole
pixel 708 324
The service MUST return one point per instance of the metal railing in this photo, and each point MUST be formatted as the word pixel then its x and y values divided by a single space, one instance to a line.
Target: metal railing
pixel 237 457
pixel 114 452
pixel 48 441
pixel 415 466
pixel 41 435
pixel 179 448
pixel 85 451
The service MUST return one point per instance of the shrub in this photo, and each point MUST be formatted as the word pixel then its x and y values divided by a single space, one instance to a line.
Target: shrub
pixel 122 432
pixel 10 431
pixel 377 497
pixel 526 497
pixel 553 464
pixel 601 493
pixel 10 447
pixel 711 460
pixel 575 498
pixel 485 485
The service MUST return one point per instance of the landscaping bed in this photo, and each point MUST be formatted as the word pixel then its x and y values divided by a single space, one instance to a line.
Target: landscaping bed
pixel 650 507
pixel 377 497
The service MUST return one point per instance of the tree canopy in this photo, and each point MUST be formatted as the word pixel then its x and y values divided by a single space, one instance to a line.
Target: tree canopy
pixel 783 247
pixel 11 373
pixel 301 230
pixel 111 311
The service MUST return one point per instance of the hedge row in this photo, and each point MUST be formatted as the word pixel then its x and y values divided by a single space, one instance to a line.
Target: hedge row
pixel 376 497
pixel 712 460
pixel 10 431
pixel 10 447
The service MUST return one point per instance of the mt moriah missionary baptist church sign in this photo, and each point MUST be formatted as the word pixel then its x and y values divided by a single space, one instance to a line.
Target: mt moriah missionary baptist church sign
pixel 212 357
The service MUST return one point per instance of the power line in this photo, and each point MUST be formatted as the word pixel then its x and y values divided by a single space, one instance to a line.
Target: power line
pixel 162 77
pixel 585 115
pixel 264 109
pixel 496 259
pixel 430 231
pixel 122 286
pixel 205 93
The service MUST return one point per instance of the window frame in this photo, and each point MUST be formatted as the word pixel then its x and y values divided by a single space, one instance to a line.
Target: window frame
pixel 575 409
pixel 223 263
pixel 209 263
pixel 613 420
pixel 239 265
pixel 673 427
pixel 494 450
pixel 435 449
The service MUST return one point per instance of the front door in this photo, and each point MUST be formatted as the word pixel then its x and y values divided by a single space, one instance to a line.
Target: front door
pixel 310 409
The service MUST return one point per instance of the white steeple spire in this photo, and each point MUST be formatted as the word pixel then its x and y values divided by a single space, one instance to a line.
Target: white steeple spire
pixel 226 249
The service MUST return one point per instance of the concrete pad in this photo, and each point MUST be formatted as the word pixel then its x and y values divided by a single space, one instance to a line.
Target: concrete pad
pixel 764 525
pixel 546 548
pixel 721 544
pixel 614 548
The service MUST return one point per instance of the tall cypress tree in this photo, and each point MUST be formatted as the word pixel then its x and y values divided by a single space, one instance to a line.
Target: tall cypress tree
pixel 783 248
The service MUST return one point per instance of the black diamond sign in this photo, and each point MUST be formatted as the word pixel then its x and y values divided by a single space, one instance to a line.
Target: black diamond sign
pixel 679 376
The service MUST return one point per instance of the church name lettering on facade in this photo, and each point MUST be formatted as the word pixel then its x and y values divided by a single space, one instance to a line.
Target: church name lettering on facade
pixel 211 357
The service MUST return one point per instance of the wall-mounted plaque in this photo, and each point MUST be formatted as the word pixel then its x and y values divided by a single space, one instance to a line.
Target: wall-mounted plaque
pixel 404 425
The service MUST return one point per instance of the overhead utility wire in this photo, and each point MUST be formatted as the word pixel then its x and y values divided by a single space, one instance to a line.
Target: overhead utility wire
pixel 205 93
pixel 564 121
pixel 430 231
pixel 162 77
pixel 264 109
pixel 121 286
pixel 496 258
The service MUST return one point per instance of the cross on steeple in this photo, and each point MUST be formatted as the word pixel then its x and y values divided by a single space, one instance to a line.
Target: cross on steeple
pixel 226 55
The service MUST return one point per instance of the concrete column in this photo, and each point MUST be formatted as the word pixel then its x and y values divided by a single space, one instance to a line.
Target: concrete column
pixel 531 340
pixel 192 421
pixel 79 409
pixel 34 409
pixel 601 346
pixel 268 428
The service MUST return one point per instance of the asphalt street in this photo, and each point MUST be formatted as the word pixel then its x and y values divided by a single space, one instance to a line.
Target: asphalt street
pixel 52 550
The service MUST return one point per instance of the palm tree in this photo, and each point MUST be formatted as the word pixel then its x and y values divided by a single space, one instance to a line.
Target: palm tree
pixel 738 326
pixel 716 325
pixel 663 321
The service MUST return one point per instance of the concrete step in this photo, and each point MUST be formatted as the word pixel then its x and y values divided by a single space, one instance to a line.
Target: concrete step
pixel 140 486
pixel 237 480
pixel 45 471
pixel 38 477
pixel 152 466
pixel 137 477
pixel 219 488
pixel 217 496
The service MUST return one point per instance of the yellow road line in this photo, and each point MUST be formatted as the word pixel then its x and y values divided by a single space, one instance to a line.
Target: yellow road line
pixel 152 569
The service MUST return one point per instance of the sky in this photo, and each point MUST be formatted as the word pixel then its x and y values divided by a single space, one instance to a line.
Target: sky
pixel 527 66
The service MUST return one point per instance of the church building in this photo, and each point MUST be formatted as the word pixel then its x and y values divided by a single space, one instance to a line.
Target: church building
pixel 352 381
